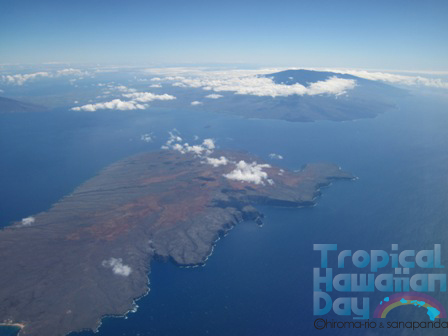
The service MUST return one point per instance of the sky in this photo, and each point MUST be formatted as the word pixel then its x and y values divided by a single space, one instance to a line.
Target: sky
pixel 393 34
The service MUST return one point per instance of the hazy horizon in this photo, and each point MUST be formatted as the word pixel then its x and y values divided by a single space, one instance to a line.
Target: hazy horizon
pixel 398 35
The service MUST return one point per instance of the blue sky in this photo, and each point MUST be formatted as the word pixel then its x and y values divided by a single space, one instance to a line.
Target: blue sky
pixel 401 35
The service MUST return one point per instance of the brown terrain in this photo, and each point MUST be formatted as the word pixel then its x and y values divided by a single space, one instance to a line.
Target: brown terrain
pixel 89 255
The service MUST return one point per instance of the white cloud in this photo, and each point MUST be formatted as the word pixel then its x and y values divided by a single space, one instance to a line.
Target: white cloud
pixel 144 97
pixel 156 85
pixel 116 104
pixel 117 266
pixel 156 79
pixel 214 96
pixel 333 85
pixel 276 156
pixel 20 79
pixel 215 162
pixel 195 103
pixel 249 172
pixel 28 221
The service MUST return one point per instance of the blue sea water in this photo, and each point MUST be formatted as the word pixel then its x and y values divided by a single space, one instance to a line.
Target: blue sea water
pixel 259 279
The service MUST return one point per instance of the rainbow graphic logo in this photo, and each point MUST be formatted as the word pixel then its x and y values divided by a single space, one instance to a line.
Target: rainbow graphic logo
pixel 435 309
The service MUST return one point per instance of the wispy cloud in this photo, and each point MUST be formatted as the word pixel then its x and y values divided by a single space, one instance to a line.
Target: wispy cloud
pixel 196 103
pixel 71 72
pixel 148 137
pixel 117 266
pixel 276 156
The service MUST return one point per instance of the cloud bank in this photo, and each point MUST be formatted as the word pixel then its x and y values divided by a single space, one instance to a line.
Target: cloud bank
pixel 392 78
pixel 263 86
pixel 20 79
pixel 232 79
pixel 409 80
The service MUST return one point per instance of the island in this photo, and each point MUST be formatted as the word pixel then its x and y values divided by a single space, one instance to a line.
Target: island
pixel 89 255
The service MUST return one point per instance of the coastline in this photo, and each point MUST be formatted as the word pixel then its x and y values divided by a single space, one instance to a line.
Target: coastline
pixel 13 324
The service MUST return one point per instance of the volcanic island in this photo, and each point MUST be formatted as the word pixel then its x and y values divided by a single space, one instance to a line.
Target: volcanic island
pixel 89 255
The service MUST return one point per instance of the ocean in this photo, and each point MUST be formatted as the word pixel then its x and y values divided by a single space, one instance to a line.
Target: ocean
pixel 259 280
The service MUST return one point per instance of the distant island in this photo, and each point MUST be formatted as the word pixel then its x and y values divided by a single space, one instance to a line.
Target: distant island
pixel 89 255
pixel 364 99
pixel 8 105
